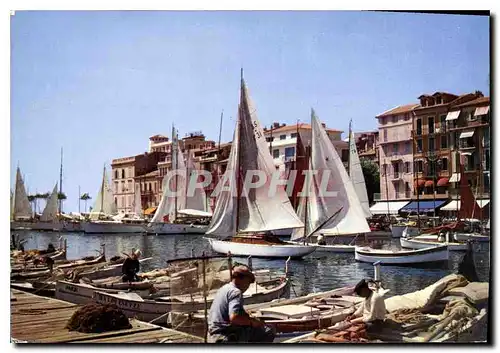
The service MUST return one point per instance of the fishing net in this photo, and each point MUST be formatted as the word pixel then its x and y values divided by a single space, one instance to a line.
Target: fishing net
pixel 97 318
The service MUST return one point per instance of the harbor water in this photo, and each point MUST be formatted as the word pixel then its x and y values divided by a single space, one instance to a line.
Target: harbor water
pixel 315 272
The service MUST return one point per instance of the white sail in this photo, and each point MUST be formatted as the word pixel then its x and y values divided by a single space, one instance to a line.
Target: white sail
pixel 11 205
pixel 258 210
pixel 51 208
pixel 341 196
pixel 356 175
pixel 198 199
pixel 22 207
pixel 104 203
pixel 136 204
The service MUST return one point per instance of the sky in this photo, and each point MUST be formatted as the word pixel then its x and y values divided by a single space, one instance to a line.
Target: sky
pixel 100 83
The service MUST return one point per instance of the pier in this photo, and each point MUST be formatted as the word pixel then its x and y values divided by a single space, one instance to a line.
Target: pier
pixel 36 319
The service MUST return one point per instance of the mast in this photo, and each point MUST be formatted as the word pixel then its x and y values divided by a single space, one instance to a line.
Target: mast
pixel 238 163
pixel 176 167
pixel 60 183
pixel 308 150
pixel 415 172
pixel 102 191
pixel 294 194
pixel 79 197
pixel 349 155
pixel 459 187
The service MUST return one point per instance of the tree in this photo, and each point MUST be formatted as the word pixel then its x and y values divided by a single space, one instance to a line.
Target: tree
pixel 85 197
pixel 32 200
pixel 61 196
pixel 371 174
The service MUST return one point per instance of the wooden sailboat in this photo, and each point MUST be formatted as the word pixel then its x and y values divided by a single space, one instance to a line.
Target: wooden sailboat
pixel 243 218
pixel 405 257
pixel 49 220
pixel 172 210
pixel 318 208
pixel 21 208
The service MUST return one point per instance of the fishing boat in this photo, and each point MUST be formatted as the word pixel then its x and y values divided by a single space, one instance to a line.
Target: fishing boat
pixel 402 257
pixel 341 213
pixel 417 243
pixel 21 214
pixel 180 208
pixel 157 310
pixel 242 223
pixel 450 310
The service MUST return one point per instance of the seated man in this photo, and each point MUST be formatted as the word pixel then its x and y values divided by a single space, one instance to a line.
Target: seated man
pixel 228 321
pixel 131 267
pixel 321 240
pixel 372 311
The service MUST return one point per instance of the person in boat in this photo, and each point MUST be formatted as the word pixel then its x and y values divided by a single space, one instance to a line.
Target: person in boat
pixel 372 310
pixel 321 240
pixel 131 267
pixel 228 321
pixel 50 249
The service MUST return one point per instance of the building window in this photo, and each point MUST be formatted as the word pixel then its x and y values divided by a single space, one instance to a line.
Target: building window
pixel 444 164
pixel 419 126
pixel 382 120
pixel 432 168
pixel 432 146
pixel 442 120
pixel 293 135
pixel 419 145
pixel 395 169
pixel 116 202
pixel 269 139
pixel 407 167
pixel 123 173
pixel 419 166
pixel 149 186
pixel 487 159
pixel 471 116
pixel 444 141
pixel 116 173
pixel 407 148
pixel 407 116
pixel 430 122
pixel 439 100
pixel 385 135
pixel 395 148
pixel 276 153
pixel 282 137
pixel 289 152
pixel 394 119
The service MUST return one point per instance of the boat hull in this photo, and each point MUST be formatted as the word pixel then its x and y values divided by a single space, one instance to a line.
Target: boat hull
pixel 172 228
pixel 397 231
pixel 434 254
pixel 458 236
pixel 339 248
pixel 113 228
pixel 417 244
pixel 259 250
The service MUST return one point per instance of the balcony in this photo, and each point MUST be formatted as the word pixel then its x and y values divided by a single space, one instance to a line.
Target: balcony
pixel 465 144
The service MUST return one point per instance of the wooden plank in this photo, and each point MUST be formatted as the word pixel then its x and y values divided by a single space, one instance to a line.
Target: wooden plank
pixel 150 337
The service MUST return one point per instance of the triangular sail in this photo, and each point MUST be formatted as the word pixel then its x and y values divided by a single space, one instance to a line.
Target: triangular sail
pixel 356 175
pixel 104 203
pixel 196 199
pixel 468 204
pixel 299 165
pixel 330 177
pixel 262 208
pixel 22 207
pixel 50 211
pixel 136 204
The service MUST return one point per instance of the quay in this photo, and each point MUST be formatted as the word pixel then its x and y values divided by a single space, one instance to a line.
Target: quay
pixel 36 319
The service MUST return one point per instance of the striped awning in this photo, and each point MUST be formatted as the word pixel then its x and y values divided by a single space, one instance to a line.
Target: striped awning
pixel 482 110
pixel 467 134
pixel 453 115
pixel 150 210
pixel 387 207
pixel 423 206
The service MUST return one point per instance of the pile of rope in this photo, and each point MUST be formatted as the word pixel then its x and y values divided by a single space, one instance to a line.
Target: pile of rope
pixel 352 334
pixel 407 316
pixel 98 318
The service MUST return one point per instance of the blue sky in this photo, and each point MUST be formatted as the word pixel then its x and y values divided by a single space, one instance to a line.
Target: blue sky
pixel 99 83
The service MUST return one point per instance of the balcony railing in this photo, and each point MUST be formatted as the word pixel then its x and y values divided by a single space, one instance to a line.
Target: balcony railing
pixel 465 144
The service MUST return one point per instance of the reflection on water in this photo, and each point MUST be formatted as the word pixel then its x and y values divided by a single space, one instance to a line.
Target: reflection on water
pixel 316 272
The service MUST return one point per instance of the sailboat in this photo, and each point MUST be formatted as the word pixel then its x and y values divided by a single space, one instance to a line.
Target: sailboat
pixel 49 220
pixel 101 217
pixel 21 208
pixel 175 211
pixel 244 217
pixel 339 214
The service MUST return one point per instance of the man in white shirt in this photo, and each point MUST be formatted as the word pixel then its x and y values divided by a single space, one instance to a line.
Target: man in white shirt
pixel 372 310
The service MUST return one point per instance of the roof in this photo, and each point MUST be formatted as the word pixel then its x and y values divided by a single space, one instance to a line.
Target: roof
pixel 150 174
pixel 158 137
pixel 399 110
pixel 293 127
pixel 477 101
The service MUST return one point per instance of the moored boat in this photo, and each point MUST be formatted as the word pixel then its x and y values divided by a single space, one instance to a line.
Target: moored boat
pixel 390 257
pixel 416 244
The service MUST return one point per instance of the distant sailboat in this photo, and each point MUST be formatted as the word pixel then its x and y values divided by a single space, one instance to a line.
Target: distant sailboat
pixel 49 220
pixel 356 175
pixel 172 209
pixel 22 207
pixel 338 214
pixel 240 216
pixel 137 205
pixel 104 205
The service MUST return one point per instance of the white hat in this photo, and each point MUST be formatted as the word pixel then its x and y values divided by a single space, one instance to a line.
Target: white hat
pixel 137 253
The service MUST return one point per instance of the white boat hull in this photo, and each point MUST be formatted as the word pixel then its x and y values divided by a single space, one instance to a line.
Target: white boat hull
pixel 339 248
pixel 417 244
pixel 260 250
pixel 397 231
pixel 173 228
pixel 471 236
pixel 435 254
pixel 113 228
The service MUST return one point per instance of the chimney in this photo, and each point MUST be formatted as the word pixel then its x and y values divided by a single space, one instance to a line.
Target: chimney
pixel 283 124
pixel 276 125
pixel 324 125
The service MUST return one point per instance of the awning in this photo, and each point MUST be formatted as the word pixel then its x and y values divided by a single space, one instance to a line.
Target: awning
pixel 429 183
pixel 384 207
pixel 483 203
pixel 453 206
pixel 466 134
pixel 196 213
pixel 150 210
pixel 455 178
pixel 443 182
pixel 482 111
pixel 421 182
pixel 423 206
pixel 453 115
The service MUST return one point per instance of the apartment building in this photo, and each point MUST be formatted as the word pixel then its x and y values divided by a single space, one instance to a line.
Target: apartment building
pixel 367 145
pixel 395 153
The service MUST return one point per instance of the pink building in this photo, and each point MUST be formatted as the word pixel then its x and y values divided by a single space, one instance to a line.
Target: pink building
pixel 396 153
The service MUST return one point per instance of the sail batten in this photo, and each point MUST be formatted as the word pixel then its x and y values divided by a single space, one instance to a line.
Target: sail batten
pixel 49 213
pixel 356 175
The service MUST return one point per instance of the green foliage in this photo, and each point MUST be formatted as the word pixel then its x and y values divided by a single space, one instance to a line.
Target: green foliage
pixel 61 196
pixel 85 197
pixel 371 174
